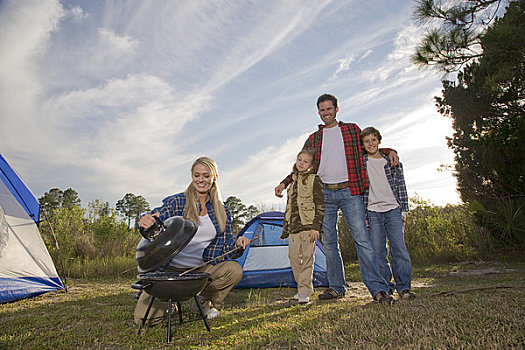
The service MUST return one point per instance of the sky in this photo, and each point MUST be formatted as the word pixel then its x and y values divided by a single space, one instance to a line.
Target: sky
pixel 116 97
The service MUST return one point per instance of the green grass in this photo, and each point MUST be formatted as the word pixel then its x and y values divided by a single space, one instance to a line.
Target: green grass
pixel 473 306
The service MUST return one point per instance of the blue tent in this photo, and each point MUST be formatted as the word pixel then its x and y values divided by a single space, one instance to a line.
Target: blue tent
pixel 26 268
pixel 265 261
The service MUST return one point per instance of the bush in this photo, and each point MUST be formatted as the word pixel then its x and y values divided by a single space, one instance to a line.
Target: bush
pixel 434 234
pixel 505 219
pixel 101 245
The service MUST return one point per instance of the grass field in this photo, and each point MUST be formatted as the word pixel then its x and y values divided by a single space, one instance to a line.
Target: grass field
pixel 458 306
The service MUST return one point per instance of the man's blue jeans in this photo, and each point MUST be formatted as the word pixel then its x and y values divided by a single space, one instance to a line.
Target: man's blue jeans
pixel 390 224
pixel 354 213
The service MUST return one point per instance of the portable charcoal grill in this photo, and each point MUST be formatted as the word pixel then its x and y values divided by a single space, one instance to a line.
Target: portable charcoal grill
pixel 160 243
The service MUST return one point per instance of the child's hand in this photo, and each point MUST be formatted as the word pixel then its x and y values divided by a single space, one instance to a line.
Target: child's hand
pixel 314 234
pixel 279 190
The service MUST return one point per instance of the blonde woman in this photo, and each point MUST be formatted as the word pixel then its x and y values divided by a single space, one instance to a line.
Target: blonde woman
pixel 202 204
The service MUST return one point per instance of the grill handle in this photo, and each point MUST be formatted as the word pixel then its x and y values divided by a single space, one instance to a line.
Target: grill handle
pixel 142 286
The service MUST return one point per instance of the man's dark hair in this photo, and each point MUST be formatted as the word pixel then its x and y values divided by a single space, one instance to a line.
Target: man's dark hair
pixel 327 97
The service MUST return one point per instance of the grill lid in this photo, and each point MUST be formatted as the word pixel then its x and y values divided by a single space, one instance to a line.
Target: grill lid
pixel 169 238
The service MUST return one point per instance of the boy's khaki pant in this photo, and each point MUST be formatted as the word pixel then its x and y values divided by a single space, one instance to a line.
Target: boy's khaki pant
pixel 225 275
pixel 302 255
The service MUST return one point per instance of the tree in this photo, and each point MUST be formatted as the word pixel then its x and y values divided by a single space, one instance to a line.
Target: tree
pixel 98 209
pixel 56 198
pixel 131 207
pixel 458 38
pixel 70 198
pixel 486 105
pixel 51 200
pixel 240 213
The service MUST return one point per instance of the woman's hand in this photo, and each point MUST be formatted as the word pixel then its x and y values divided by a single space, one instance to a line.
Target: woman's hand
pixel 314 234
pixel 242 242
pixel 147 220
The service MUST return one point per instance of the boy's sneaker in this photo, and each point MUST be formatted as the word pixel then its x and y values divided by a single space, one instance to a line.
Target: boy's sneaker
pixel 296 296
pixel 330 294
pixel 384 298
pixel 407 294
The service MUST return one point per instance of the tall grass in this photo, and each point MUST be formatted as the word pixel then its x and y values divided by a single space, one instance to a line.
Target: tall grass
pixel 103 246
pixel 115 266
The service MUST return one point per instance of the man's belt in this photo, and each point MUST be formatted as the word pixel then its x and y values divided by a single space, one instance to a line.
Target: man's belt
pixel 339 186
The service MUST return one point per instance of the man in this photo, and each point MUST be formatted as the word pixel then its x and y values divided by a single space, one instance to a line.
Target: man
pixel 340 165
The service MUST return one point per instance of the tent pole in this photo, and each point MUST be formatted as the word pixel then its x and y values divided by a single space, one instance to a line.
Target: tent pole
pixel 58 251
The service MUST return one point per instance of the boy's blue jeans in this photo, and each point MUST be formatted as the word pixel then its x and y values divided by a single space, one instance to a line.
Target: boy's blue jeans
pixel 389 225
pixel 354 213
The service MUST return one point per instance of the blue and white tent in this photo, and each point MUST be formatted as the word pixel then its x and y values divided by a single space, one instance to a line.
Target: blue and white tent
pixel 26 268
pixel 265 261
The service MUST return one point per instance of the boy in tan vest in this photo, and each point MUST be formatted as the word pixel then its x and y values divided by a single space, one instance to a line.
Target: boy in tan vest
pixel 303 221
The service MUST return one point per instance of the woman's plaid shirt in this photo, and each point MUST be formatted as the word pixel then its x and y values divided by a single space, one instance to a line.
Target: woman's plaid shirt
pixel 222 243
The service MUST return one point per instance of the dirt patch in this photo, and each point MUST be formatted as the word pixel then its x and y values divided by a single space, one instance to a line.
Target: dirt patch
pixel 355 291
pixel 481 272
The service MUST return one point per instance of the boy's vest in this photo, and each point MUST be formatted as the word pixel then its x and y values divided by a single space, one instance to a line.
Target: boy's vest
pixel 305 198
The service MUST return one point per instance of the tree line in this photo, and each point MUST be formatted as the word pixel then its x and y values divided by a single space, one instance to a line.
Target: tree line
pixel 100 232
pixel 485 100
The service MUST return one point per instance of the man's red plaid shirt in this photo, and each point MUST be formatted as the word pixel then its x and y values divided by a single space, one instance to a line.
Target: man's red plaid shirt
pixel 355 164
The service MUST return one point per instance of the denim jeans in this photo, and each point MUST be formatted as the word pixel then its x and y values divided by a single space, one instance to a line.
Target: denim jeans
pixel 389 225
pixel 354 213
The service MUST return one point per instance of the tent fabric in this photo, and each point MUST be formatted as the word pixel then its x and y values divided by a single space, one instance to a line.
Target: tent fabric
pixel 19 190
pixel 26 268
pixel 265 261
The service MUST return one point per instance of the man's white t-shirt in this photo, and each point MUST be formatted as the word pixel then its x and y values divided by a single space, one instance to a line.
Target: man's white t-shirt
pixel 191 255
pixel 332 168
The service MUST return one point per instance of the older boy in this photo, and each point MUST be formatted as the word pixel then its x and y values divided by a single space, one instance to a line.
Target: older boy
pixel 386 204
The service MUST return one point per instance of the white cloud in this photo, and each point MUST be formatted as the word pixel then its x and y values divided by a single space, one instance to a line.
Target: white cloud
pixel 256 178
pixel 25 29
pixel 77 13
pixel 117 97
pixel 344 65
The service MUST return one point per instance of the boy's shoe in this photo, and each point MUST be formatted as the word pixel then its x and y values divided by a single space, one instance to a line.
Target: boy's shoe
pixel 296 296
pixel 383 297
pixel 407 294
pixel 330 293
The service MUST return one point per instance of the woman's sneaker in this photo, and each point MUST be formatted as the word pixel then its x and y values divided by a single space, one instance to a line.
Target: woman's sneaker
pixel 207 309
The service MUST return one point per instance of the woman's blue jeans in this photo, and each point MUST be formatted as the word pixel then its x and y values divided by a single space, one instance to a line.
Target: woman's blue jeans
pixel 354 213
pixel 389 225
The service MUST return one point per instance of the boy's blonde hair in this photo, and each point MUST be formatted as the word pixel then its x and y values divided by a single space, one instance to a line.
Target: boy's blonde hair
pixel 191 208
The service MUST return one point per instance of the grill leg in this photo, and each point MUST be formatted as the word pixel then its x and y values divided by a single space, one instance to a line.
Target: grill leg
pixel 146 315
pixel 199 306
pixel 179 306
pixel 168 335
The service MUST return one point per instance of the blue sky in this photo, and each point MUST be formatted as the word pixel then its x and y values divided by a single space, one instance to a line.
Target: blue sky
pixel 111 97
